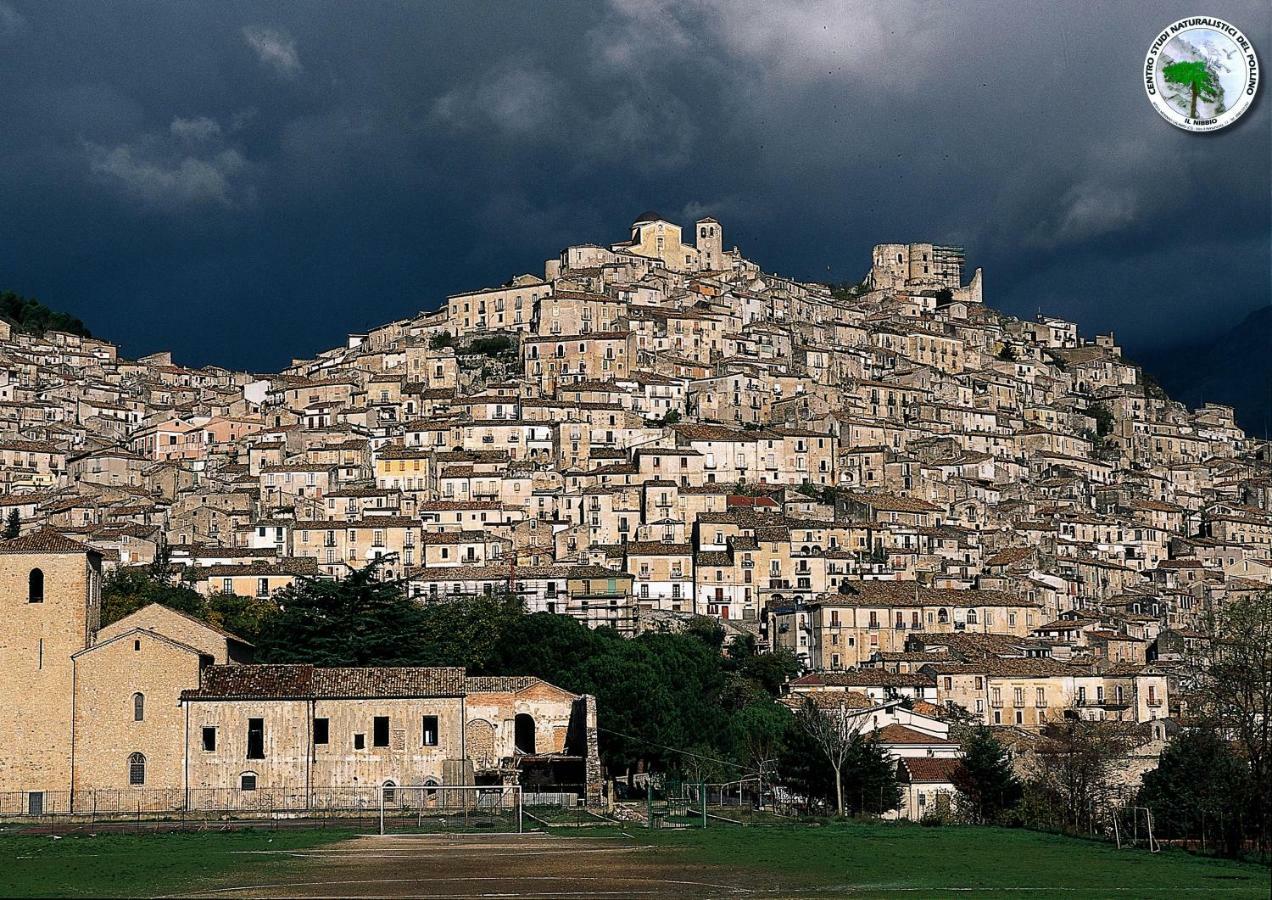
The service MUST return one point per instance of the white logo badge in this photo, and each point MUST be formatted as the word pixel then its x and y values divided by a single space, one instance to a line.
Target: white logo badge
pixel 1201 74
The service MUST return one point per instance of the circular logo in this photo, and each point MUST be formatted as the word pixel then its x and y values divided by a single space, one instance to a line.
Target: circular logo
pixel 1201 74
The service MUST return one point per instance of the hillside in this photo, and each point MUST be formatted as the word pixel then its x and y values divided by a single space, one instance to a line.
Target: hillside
pixel 1234 368
pixel 30 316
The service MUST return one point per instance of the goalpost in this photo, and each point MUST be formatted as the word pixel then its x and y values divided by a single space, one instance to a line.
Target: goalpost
pixel 1133 839
pixel 450 807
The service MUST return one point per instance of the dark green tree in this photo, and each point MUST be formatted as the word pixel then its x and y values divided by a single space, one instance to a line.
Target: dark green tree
pixel 357 621
pixel 1200 789
pixel 870 779
pixel 127 590
pixel 985 782
pixel 769 671
pixel 1104 420
pixel 12 524
pixel 32 317
pixel 1196 78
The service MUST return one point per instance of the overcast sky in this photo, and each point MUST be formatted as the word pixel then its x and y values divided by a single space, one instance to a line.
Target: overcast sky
pixel 246 182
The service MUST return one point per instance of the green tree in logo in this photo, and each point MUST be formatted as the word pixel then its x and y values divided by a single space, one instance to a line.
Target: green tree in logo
pixel 1195 77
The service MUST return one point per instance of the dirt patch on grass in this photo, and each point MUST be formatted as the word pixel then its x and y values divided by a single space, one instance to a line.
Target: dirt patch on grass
pixel 527 865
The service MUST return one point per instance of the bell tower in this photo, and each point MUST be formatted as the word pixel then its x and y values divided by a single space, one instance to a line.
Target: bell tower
pixel 709 240
pixel 50 588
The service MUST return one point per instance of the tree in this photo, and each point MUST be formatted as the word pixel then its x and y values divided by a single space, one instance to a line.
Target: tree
pixel 357 621
pixel 833 731
pixel 1200 788
pixel 1104 420
pixel 985 781
pixel 870 778
pixel 30 316
pixel 1077 760
pixel 1235 689
pixel 12 524
pixel 440 340
pixel 128 589
pixel 1195 77
pixel 769 671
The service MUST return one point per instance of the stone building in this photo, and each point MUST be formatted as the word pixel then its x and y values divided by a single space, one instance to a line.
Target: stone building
pixel 162 712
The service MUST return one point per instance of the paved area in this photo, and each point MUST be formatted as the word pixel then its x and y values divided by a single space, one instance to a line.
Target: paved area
pixel 503 865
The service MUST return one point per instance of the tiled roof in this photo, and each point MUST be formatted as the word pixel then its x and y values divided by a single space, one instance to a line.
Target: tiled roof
pixel 928 770
pixel 307 682
pixel 901 734
pixel 46 540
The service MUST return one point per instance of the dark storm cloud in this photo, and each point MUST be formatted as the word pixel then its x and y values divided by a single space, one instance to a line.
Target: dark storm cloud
pixel 244 182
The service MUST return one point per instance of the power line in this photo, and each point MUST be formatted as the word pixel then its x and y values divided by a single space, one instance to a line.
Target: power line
pixel 632 737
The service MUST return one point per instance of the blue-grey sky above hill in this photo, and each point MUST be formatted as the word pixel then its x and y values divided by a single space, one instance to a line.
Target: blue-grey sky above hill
pixel 243 182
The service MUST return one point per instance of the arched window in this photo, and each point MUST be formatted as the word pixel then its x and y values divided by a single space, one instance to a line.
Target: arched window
pixel 523 733
pixel 136 770
pixel 247 781
pixel 35 586
pixel 942 616
pixel 139 707
pixel 971 617
pixel 388 791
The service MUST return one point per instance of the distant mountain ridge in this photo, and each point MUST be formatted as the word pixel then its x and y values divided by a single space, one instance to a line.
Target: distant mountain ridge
pixel 1234 368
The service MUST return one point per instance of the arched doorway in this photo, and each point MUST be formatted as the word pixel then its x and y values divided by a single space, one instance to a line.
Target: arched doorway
pixel 523 733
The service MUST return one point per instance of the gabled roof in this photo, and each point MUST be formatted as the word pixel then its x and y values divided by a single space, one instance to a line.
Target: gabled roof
pixel 307 682
pixel 46 540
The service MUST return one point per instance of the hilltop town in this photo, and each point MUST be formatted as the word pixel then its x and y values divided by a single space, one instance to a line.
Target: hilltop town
pixel 923 499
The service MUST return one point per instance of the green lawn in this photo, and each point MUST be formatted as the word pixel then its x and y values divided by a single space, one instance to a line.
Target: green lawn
pixel 867 860
pixel 882 859
pixel 143 865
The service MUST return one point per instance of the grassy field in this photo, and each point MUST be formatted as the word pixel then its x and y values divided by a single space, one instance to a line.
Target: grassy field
pixel 144 865
pixel 882 859
pixel 867 860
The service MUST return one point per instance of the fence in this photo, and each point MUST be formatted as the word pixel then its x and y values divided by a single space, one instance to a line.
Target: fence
pixel 439 807
pixel 209 804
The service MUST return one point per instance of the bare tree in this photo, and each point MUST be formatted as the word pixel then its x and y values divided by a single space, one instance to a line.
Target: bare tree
pixel 834 730
pixel 1236 691
pixel 1076 764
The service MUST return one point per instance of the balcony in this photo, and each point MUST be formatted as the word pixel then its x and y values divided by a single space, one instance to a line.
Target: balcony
pixel 1154 701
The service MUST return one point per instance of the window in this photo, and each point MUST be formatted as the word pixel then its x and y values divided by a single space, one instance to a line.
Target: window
pixel 247 781
pixel 209 738
pixel 359 742
pixel 255 738
pixel 35 586
pixel 136 770
pixel 380 731
pixel 388 791
pixel 321 731
pixel 139 707
pixel 428 736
